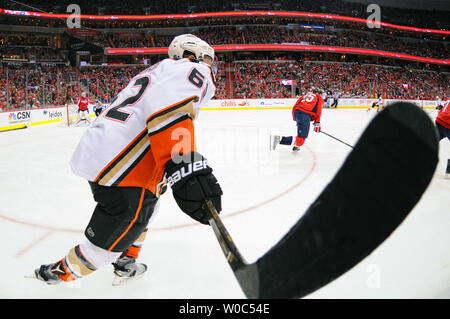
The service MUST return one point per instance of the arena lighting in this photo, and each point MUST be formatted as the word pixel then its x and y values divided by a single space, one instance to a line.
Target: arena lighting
pixel 307 26
pixel 217 15
pixel 287 47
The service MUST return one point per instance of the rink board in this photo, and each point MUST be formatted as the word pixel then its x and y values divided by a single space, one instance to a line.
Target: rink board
pixel 30 117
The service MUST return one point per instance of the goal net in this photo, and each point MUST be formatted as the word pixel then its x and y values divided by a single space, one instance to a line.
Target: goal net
pixel 70 115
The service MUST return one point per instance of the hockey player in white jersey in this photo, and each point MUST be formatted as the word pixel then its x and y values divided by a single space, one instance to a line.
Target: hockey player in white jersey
pixel 439 103
pixel 129 154
pixel 378 104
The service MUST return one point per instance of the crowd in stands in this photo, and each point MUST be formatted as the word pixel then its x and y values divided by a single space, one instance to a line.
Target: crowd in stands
pixel 37 86
pixel 31 53
pixel 262 80
pixel 280 35
pixel 226 30
pixel 29 47
pixel 25 40
pixel 106 82
pixel 23 87
pixel 342 38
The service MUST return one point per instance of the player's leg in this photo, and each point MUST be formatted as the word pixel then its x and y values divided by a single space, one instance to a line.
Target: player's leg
pixel 86 116
pixel 444 133
pixel 79 114
pixel 299 141
pixel 282 140
pixel 135 248
pixel 126 267
pixel 335 103
pixel 274 140
pixel 303 125
pixel 80 261
pixel 119 219
pixel 83 115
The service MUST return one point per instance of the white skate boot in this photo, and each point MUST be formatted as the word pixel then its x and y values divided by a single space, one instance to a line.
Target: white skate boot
pixel 126 269
pixel 274 141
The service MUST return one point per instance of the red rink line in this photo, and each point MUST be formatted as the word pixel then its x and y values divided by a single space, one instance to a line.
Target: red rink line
pixel 34 243
pixel 245 210
pixel 267 201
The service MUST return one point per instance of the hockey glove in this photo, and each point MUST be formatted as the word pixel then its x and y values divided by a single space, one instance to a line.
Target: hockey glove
pixel 192 183
pixel 317 127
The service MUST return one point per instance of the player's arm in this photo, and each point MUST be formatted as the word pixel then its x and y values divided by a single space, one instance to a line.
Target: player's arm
pixel 171 130
pixel 172 140
pixel 317 125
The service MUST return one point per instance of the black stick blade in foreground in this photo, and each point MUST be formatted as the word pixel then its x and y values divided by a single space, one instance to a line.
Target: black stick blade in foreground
pixel 396 155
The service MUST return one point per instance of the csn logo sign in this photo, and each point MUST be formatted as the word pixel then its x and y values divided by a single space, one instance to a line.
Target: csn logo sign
pixel 18 117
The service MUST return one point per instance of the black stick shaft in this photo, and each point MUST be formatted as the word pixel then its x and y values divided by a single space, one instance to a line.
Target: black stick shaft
pixel 229 249
pixel 336 139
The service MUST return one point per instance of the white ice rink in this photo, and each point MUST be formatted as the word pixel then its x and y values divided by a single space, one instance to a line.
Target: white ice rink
pixel 45 208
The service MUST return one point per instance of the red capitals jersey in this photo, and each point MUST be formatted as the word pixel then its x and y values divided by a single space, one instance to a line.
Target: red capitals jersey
pixel 311 104
pixel 443 117
pixel 83 103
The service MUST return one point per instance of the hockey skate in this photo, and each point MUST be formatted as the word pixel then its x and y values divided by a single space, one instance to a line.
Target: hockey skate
pixel 274 141
pixel 126 269
pixel 295 149
pixel 49 273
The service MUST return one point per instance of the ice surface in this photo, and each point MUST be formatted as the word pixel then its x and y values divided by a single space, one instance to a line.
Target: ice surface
pixel 45 207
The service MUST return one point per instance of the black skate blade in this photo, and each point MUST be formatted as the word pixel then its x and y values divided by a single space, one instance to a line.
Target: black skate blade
pixel 397 154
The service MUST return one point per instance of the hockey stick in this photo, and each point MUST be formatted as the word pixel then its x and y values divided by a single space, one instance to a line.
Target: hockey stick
pixel 345 223
pixel 226 243
pixel 242 270
pixel 336 138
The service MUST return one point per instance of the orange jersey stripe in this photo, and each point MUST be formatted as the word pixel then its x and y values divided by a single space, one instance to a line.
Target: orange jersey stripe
pixel 127 148
pixel 144 174
pixel 194 98
pixel 164 142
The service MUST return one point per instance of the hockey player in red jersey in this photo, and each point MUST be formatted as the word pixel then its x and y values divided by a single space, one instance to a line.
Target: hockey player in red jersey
pixel 83 111
pixel 307 108
pixel 443 125
pixel 132 151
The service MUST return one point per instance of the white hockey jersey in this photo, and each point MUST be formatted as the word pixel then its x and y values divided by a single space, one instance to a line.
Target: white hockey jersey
pixel 130 142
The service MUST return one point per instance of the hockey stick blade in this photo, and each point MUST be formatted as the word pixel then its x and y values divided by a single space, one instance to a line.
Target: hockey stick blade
pixel 398 153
